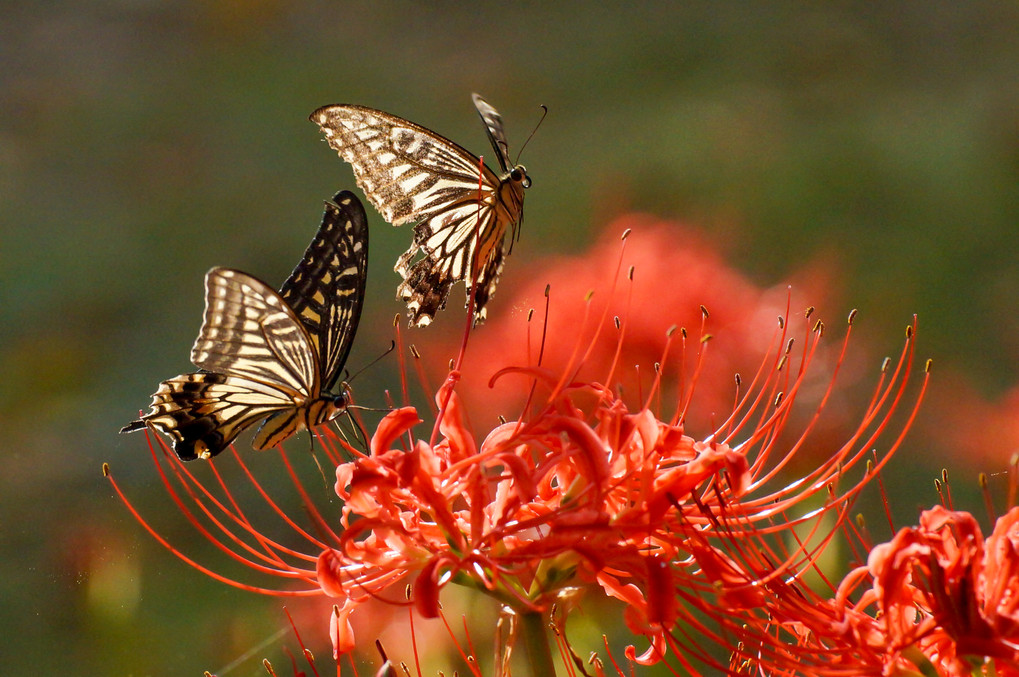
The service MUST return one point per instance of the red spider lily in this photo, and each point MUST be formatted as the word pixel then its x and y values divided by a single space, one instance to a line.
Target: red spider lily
pixel 588 491
pixel 942 600
pixel 584 493
pixel 941 588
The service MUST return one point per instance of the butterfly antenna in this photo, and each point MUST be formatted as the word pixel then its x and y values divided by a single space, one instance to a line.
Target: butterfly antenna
pixel 391 348
pixel 544 113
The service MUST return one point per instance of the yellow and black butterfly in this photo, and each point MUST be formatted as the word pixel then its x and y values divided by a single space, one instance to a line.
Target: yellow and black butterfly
pixel 264 355
pixel 410 173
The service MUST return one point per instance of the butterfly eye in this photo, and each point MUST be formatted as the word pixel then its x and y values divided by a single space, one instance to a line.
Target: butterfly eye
pixel 519 174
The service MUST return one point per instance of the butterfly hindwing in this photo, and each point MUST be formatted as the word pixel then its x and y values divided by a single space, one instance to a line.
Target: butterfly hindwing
pixel 461 208
pixel 203 412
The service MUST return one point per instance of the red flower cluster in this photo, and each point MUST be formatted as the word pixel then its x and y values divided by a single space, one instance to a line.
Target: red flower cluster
pixel 572 498
pixel 941 599
pixel 942 589
pixel 704 537
pixel 587 493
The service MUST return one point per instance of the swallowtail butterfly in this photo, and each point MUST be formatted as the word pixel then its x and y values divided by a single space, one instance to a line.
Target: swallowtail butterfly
pixel 267 355
pixel 411 174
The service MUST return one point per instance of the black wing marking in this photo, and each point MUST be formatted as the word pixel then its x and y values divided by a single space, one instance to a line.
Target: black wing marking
pixel 326 289
pixel 493 126
pixel 203 412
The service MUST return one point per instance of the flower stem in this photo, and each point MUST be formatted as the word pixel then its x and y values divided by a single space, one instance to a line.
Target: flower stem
pixel 535 636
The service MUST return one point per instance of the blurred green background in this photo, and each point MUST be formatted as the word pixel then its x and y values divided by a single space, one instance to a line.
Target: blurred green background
pixel 142 143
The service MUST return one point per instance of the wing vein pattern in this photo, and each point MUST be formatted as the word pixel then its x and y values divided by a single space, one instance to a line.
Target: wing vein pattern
pixel 461 209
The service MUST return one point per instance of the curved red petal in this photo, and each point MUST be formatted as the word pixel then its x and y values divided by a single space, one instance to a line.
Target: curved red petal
pixel 392 425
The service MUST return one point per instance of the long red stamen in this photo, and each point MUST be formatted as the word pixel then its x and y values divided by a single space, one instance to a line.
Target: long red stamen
pixel 188 481
pixel 187 560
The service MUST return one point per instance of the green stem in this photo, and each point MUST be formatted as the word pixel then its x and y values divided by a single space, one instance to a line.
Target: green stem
pixel 538 653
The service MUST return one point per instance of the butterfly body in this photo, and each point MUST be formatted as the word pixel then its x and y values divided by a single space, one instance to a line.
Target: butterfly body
pixel 463 210
pixel 270 356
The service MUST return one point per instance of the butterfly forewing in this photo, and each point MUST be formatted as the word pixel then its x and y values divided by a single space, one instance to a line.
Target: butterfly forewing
pixel 203 412
pixel 411 174
pixel 249 331
pixel 395 160
pixel 326 289
pixel 493 125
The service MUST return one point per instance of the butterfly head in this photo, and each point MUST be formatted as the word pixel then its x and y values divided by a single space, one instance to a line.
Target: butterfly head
pixel 331 406
pixel 340 402
pixel 328 407
pixel 519 175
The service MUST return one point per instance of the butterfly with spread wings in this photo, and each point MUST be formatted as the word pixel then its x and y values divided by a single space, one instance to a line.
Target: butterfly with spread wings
pixel 411 174
pixel 267 355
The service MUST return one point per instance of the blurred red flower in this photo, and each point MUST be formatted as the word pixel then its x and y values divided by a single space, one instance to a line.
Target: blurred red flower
pixel 677 274
pixel 967 427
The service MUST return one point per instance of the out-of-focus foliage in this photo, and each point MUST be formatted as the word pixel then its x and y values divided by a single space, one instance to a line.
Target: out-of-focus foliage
pixel 142 143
